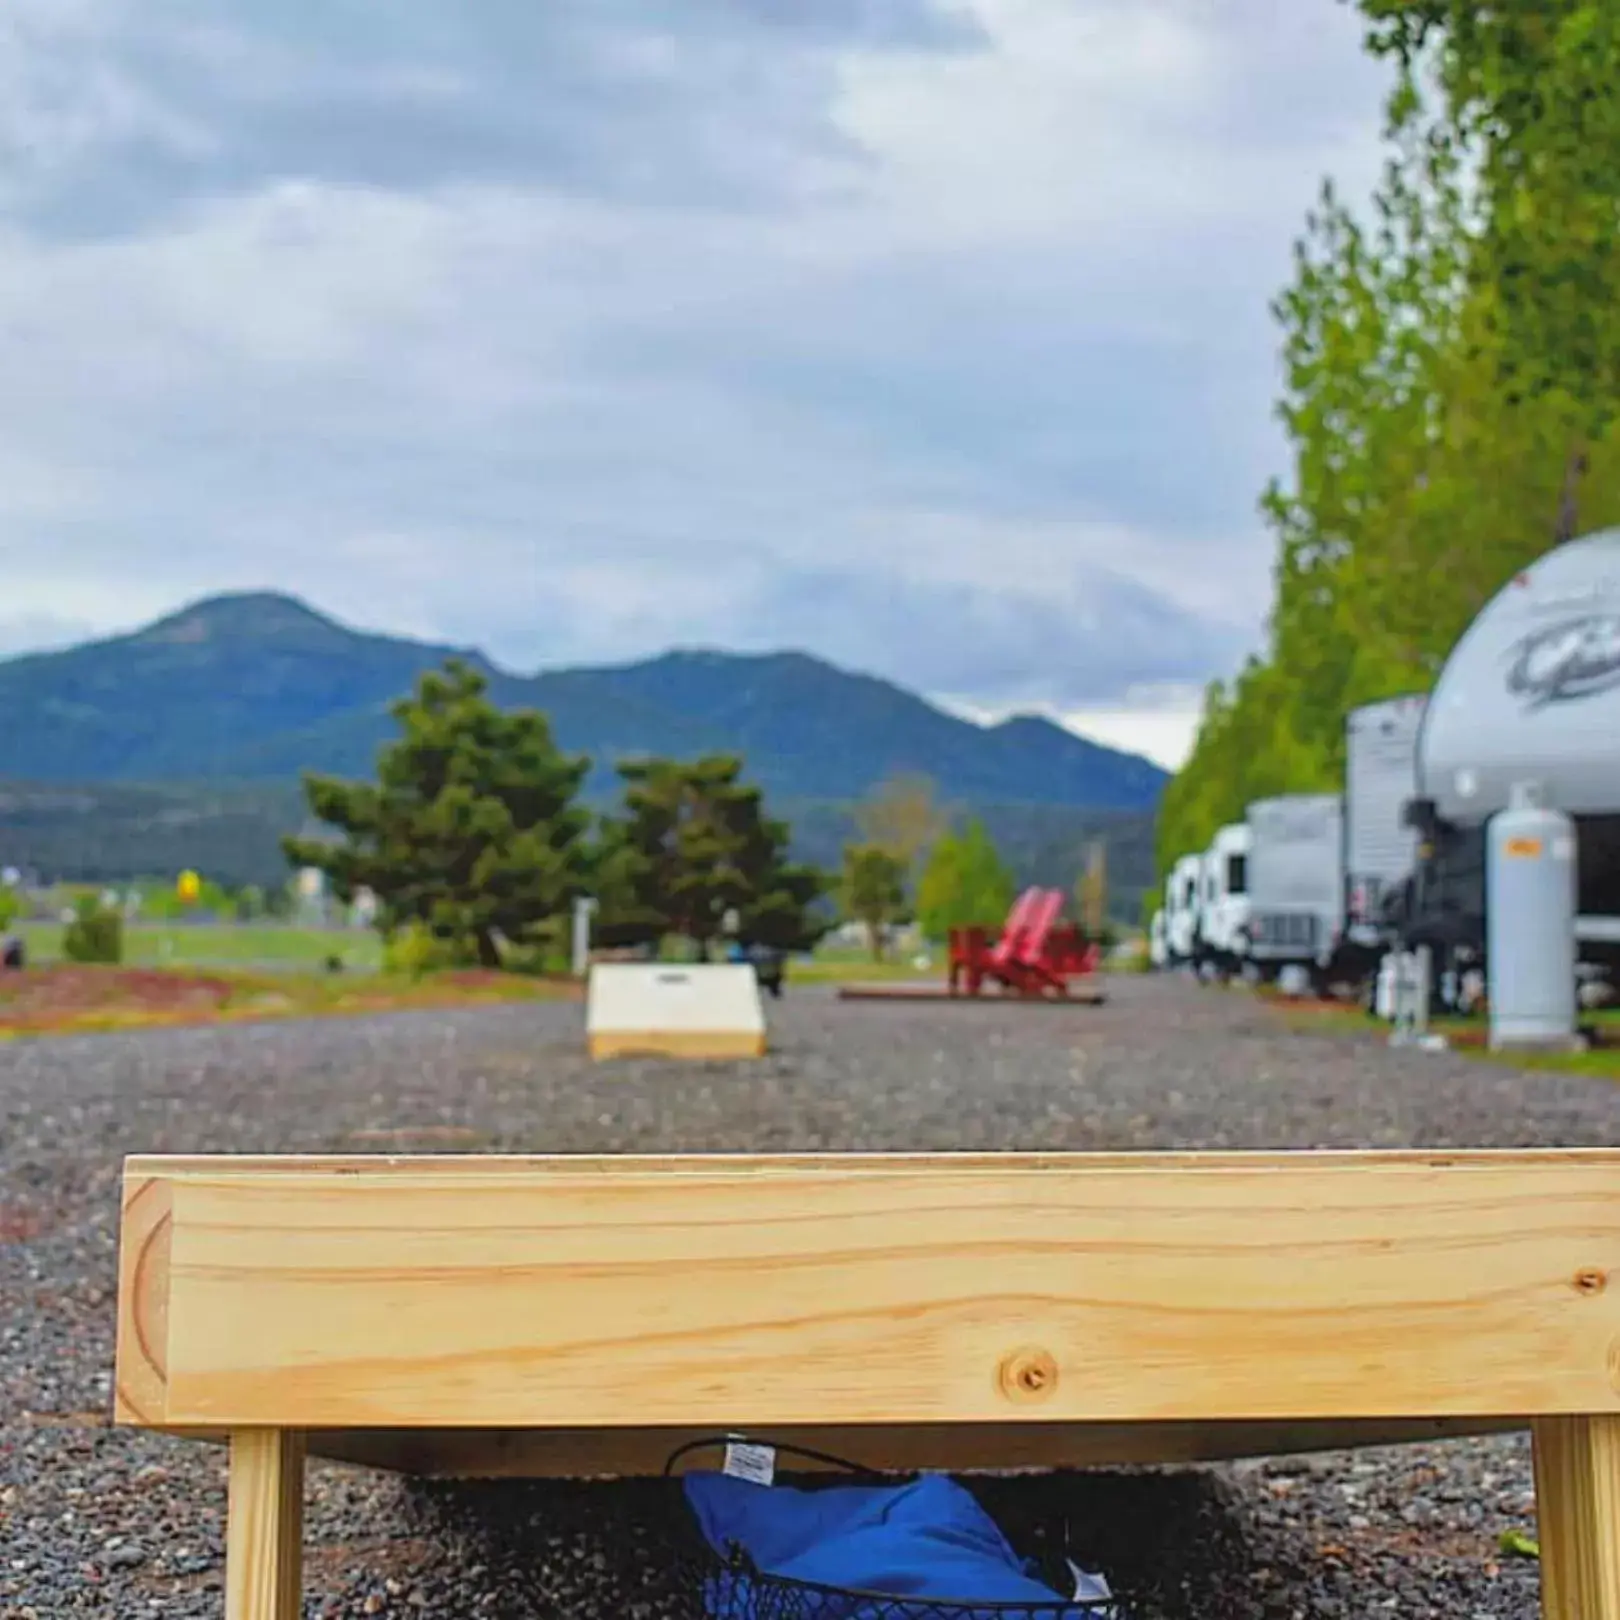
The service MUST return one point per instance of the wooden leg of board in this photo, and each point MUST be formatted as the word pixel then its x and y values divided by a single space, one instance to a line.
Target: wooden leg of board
pixel 264 1551
pixel 1578 1507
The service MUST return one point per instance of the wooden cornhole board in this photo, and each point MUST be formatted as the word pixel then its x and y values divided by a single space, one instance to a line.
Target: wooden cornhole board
pixel 702 1010
pixel 582 1316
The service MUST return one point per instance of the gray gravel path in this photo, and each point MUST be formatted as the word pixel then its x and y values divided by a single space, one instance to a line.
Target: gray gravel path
pixel 96 1520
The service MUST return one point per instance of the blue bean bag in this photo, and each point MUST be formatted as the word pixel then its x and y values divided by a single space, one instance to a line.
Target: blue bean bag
pixel 927 1539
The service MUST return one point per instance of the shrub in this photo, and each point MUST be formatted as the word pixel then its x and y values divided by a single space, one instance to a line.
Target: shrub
pixel 96 933
pixel 412 951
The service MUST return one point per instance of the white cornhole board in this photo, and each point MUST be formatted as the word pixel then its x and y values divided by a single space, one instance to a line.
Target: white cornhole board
pixel 704 1010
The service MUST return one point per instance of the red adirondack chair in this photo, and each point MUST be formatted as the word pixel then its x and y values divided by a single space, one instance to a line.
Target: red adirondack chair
pixel 1034 955
pixel 1022 967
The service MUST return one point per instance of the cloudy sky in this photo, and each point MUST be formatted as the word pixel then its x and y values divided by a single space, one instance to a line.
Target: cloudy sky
pixel 928 335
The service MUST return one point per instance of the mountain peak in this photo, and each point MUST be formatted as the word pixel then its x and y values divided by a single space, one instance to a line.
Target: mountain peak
pixel 261 615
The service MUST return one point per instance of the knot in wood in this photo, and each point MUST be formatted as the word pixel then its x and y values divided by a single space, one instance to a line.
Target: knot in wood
pixel 1028 1375
pixel 1591 1280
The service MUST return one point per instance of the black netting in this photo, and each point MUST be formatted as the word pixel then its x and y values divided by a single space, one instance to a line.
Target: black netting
pixel 733 1591
pixel 728 1586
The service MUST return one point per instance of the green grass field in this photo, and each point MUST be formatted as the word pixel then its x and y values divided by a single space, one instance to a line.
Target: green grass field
pixel 1465 1035
pixel 266 947
pixel 263 946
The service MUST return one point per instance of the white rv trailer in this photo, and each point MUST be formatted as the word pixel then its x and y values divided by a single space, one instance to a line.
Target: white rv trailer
pixel 1530 694
pixel 1223 903
pixel 1380 780
pixel 1296 883
pixel 1181 911
pixel 1158 951
pixel 1323 868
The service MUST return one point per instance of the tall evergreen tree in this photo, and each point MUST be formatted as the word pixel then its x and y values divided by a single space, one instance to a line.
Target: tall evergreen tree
pixel 472 827
pixel 691 843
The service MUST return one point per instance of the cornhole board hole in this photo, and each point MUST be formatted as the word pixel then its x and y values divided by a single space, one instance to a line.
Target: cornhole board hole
pixel 651 1009
pixel 582 1317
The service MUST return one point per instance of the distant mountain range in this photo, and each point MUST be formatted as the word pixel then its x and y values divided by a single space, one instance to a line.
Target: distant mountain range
pixel 182 743
pixel 255 688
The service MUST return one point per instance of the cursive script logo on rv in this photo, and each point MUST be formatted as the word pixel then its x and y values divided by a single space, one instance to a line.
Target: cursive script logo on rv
pixel 1572 659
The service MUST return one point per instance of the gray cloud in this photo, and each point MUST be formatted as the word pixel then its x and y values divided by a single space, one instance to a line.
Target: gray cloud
pixel 932 338
pixel 1100 635
pixel 119 116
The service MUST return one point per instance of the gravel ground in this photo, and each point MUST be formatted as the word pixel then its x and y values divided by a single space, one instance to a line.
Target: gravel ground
pixel 114 1522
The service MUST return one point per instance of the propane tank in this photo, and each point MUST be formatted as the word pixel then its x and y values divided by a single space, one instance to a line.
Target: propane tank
pixel 1530 907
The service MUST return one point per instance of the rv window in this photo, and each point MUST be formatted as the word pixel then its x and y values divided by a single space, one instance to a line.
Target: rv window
pixel 1237 873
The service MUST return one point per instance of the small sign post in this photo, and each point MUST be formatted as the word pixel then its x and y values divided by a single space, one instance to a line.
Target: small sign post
pixel 584 908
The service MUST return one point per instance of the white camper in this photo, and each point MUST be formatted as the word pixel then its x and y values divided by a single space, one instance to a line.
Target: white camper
pixel 1157 949
pixel 1223 903
pixel 1296 883
pixel 1530 696
pixel 1380 780
pixel 1181 910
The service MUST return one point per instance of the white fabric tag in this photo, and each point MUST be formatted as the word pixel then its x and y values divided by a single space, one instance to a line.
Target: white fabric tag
pixel 756 1464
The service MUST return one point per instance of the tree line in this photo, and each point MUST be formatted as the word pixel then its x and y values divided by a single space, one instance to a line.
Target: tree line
pixel 909 864
pixel 474 837
pixel 474 834
pixel 1452 366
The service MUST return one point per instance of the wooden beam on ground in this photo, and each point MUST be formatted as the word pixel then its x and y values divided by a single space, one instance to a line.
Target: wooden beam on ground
pixel 1078 996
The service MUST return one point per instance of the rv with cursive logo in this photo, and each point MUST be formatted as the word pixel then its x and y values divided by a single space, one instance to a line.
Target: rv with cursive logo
pixel 1573 659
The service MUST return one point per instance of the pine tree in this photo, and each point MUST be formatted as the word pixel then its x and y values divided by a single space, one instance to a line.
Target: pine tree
pixel 471 829
pixel 691 844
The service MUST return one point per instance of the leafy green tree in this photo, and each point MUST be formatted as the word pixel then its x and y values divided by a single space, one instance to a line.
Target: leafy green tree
pixel 1529 89
pixel 1452 392
pixel 873 891
pixel 902 815
pixel 692 843
pixel 471 829
pixel 964 885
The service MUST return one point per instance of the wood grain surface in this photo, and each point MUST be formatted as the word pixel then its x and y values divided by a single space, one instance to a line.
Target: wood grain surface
pixel 469 1292
pixel 1578 1506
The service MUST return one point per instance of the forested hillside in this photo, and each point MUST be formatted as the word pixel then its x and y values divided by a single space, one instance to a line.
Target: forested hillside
pixel 257 688
pixel 1452 363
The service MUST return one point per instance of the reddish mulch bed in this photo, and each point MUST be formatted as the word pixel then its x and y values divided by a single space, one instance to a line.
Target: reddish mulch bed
pixel 54 992
pixel 62 998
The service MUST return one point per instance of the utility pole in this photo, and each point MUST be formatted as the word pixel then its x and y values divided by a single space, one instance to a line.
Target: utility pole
pixel 1094 890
